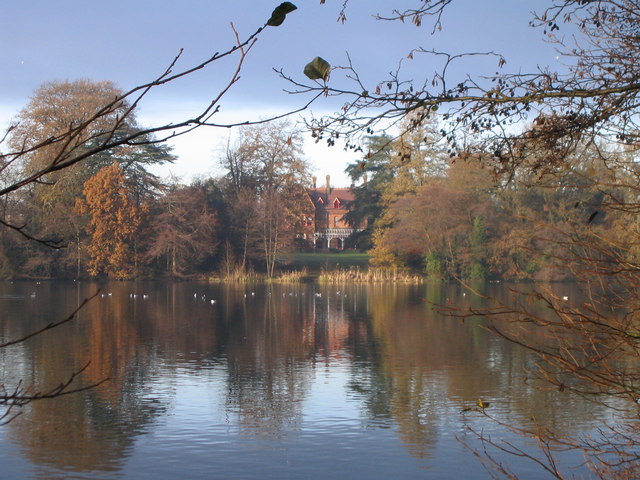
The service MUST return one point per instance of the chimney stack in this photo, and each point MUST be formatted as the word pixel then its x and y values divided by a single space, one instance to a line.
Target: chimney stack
pixel 328 185
pixel 314 182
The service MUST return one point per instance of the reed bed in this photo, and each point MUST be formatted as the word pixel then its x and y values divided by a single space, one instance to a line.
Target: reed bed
pixel 293 276
pixel 337 276
pixel 371 275
pixel 237 275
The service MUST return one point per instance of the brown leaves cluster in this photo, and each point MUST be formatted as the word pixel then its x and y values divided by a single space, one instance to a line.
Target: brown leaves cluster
pixel 114 221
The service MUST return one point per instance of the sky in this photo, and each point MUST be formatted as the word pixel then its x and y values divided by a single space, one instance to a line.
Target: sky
pixel 131 42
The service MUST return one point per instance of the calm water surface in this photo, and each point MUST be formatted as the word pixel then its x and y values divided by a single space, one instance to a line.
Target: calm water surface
pixel 263 382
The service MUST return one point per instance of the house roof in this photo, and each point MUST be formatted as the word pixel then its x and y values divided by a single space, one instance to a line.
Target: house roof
pixel 344 195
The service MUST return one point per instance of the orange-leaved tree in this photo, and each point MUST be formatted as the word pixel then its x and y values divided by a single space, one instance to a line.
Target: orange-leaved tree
pixel 114 221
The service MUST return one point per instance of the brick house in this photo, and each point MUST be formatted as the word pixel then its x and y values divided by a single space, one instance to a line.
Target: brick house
pixel 324 225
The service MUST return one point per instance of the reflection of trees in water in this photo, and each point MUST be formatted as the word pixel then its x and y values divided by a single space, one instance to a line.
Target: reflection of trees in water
pixel 268 402
pixel 268 350
pixel 386 377
pixel 83 432
pixel 527 397
pixel 411 401
pixel 93 430
pixel 408 365
pixel 420 369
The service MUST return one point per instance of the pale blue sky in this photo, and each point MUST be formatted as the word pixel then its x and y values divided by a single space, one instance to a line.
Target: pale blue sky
pixel 130 42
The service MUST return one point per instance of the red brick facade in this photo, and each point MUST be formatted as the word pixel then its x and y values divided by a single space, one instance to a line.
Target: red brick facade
pixel 325 226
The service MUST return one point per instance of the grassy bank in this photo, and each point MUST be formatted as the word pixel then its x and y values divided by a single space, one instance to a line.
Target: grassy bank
pixel 314 263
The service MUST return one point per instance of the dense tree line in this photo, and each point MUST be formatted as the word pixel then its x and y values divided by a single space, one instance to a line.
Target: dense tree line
pixel 111 217
pixel 452 217
pixel 447 217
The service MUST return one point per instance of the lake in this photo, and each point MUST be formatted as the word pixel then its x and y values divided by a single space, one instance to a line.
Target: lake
pixel 302 381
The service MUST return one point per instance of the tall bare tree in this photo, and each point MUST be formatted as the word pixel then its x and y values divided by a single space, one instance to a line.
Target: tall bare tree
pixel 184 230
pixel 266 173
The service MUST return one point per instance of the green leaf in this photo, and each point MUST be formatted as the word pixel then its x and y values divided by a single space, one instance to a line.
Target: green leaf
pixel 318 68
pixel 280 13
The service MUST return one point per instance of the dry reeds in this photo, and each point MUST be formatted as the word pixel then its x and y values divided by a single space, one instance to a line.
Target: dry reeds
pixel 351 275
pixel 237 275
pixel 372 275
pixel 293 276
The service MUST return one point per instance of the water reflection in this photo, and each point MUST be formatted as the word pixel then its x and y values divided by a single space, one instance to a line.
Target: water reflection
pixel 92 430
pixel 284 364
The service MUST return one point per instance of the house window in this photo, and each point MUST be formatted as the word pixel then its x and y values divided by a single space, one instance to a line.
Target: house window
pixel 335 221
pixel 336 203
pixel 320 201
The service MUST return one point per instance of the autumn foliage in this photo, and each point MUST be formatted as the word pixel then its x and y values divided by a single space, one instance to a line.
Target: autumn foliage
pixel 114 222
pixel 184 230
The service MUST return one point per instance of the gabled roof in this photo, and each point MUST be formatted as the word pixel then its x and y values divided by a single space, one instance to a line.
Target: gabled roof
pixel 344 196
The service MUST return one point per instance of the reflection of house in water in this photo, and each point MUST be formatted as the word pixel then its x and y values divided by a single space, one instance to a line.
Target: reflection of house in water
pixel 326 227
pixel 335 328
